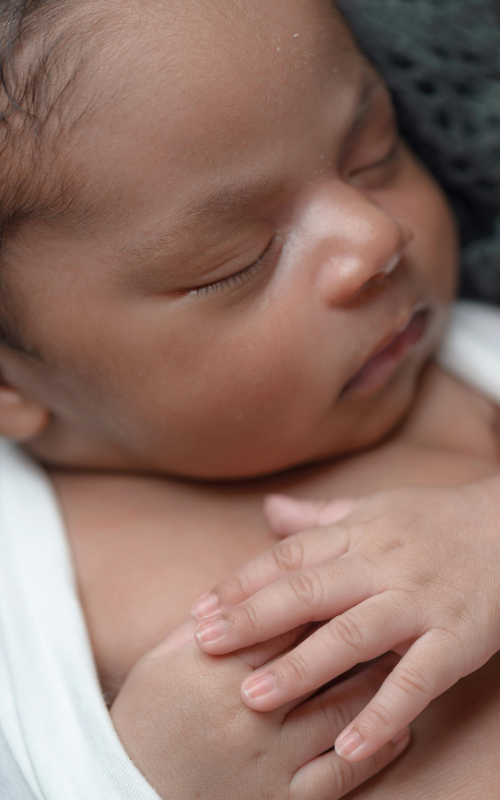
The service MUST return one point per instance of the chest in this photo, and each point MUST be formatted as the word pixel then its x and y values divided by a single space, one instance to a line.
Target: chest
pixel 144 548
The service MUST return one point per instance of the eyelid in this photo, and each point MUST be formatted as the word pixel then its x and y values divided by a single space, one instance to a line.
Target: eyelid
pixel 377 92
pixel 377 110
pixel 393 152
pixel 237 278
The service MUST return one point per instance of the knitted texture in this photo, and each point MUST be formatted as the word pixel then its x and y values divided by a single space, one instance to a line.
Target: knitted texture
pixel 441 59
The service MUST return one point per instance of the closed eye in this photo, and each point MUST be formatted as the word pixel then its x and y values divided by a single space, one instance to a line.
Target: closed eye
pixel 387 159
pixel 237 278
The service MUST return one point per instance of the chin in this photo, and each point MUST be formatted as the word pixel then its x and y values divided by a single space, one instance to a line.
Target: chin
pixel 382 415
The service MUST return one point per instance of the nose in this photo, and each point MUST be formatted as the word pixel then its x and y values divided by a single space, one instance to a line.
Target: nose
pixel 358 243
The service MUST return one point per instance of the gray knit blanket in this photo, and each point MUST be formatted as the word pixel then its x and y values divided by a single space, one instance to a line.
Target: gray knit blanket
pixel 441 59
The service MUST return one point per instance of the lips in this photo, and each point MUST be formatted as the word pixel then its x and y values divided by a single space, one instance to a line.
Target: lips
pixel 383 363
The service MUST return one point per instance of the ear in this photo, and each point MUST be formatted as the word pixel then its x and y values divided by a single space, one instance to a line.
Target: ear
pixel 20 419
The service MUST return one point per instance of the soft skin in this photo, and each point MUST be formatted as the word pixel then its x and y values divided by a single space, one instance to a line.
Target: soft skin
pixel 144 547
pixel 228 342
pixel 383 581
pixel 143 365
pixel 228 751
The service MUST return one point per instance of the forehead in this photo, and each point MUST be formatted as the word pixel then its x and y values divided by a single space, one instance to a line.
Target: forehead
pixel 185 95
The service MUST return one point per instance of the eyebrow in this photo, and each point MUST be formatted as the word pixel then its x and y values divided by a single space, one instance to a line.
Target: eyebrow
pixel 235 197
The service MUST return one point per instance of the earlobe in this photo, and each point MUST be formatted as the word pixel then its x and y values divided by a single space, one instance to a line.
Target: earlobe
pixel 20 419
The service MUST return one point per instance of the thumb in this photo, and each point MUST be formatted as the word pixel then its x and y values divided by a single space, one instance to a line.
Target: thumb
pixel 287 515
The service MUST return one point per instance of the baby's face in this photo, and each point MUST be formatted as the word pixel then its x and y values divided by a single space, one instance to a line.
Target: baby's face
pixel 263 267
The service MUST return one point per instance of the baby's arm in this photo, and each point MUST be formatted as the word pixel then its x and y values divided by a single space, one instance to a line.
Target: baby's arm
pixel 413 570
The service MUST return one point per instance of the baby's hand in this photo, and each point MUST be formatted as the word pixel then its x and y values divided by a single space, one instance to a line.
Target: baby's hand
pixel 411 570
pixel 181 719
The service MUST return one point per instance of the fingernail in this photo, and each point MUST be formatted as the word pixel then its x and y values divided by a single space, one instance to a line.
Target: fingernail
pixel 347 744
pixel 211 631
pixel 206 605
pixel 258 687
pixel 400 737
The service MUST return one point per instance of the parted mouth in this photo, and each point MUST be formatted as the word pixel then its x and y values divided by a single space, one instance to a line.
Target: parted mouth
pixel 383 362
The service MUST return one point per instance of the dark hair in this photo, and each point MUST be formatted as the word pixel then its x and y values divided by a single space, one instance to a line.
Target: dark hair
pixel 21 94
pixel 34 84
pixel 13 14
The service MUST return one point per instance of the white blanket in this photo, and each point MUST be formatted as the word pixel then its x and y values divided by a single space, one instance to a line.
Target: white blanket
pixel 471 347
pixel 56 737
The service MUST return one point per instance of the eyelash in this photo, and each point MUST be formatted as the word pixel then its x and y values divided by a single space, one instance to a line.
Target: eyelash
pixel 238 278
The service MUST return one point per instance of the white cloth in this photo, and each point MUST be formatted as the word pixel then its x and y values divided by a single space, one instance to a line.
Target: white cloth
pixel 56 737
pixel 471 347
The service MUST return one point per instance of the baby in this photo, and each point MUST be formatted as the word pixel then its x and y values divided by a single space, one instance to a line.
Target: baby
pixel 220 262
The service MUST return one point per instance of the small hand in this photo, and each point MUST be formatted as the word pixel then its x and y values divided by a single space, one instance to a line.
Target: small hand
pixel 410 570
pixel 181 720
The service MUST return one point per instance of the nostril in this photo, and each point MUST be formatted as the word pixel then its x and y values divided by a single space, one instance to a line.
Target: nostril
pixel 365 262
pixel 391 265
pixel 380 276
pixel 377 281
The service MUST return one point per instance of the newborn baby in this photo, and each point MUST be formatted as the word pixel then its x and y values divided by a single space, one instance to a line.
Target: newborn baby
pixel 221 263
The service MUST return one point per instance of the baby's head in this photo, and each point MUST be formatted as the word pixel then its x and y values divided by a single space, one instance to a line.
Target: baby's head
pixel 211 233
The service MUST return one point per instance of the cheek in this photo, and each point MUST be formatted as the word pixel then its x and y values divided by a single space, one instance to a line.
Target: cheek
pixel 255 379
pixel 248 371
pixel 423 206
pixel 225 407
pixel 440 245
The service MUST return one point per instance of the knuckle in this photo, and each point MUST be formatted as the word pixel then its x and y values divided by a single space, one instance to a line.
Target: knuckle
pixel 289 555
pixel 308 589
pixel 342 777
pixel 294 669
pixel 338 714
pixel 247 619
pixel 347 630
pixel 384 541
pixel 377 718
pixel 458 612
pixel 234 589
pixel 424 578
pixel 411 681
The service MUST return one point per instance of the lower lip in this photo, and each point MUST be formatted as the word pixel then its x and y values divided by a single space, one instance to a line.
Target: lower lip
pixel 380 368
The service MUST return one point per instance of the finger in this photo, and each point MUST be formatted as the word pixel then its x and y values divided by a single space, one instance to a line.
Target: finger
pixel 361 634
pixel 431 666
pixel 312 728
pixel 288 515
pixel 254 657
pixel 259 654
pixel 291 555
pixel 266 652
pixel 330 778
pixel 312 595
pixel 297 552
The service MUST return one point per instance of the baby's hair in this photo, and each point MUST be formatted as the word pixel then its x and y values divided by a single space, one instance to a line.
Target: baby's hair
pixel 41 56
pixel 27 70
